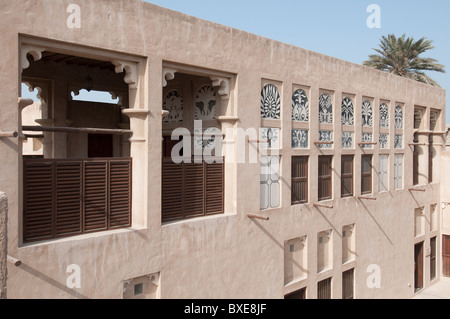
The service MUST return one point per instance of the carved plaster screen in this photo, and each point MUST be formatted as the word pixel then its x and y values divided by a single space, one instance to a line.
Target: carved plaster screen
pixel 367 138
pixel 205 103
pixel 270 102
pixel 173 102
pixel 300 106
pixel 270 182
pixel 271 136
pixel 300 139
pixel 325 109
pixel 348 112
pixel 398 141
pixel 367 114
pixel 398 117
pixel 347 140
pixel 326 136
pixel 384 141
pixel 384 115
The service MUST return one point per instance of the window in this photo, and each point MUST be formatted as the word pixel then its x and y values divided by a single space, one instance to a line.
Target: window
pixel 348 243
pixel 299 294
pixel 416 155
pixel 299 173
pixel 366 174
pixel 300 106
pixel 347 176
pixel 367 114
pixel 325 179
pixel 398 171
pixel 295 266
pixel 270 102
pixel 348 279
pixel 270 182
pixel 348 113
pixel 191 189
pixel 433 258
pixel 324 289
pixel 324 251
pixel 431 155
pixel 384 173
pixel 325 109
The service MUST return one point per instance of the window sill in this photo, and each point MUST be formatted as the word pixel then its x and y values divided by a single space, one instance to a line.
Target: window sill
pixel 196 220
pixel 81 237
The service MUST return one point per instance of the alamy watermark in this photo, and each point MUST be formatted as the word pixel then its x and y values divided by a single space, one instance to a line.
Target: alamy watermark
pixel 374 19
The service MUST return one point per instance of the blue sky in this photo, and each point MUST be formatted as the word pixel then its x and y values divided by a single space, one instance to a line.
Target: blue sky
pixel 340 28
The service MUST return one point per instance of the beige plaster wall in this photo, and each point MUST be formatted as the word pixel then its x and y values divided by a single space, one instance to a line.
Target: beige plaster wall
pixel 229 256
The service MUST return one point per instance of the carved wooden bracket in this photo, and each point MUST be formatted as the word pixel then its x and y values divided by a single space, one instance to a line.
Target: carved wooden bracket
pixel 131 72
pixel 223 84
pixel 34 51
pixel 168 74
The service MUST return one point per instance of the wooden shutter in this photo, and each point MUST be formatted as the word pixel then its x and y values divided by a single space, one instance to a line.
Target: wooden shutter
pixel 214 194
pixel 299 181
pixel 366 174
pixel 324 289
pixel 347 284
pixel 446 255
pixel 299 294
pixel 95 196
pixel 39 200
pixel 119 194
pixel 194 190
pixel 433 246
pixel 172 191
pixel 191 189
pixel 69 191
pixel 325 177
pixel 70 197
pixel 347 176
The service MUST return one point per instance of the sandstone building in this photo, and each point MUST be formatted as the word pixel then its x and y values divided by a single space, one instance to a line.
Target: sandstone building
pixel 349 200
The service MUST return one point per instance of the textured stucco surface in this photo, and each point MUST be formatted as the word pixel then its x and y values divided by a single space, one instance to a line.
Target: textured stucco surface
pixel 227 256
pixel 3 243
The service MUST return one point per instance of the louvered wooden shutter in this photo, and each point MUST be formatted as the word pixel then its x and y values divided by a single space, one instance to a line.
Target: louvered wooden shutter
pixel 39 200
pixel 191 190
pixel 95 195
pixel 172 191
pixel 69 197
pixel 299 179
pixel 119 193
pixel 214 188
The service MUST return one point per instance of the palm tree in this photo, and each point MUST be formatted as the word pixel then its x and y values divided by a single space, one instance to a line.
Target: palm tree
pixel 401 56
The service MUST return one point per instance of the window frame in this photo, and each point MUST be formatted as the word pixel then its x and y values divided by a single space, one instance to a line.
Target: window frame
pixel 365 175
pixel 323 178
pixel 347 176
pixel 300 179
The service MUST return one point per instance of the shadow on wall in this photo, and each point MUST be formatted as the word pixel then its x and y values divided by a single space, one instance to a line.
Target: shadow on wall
pixel 51 281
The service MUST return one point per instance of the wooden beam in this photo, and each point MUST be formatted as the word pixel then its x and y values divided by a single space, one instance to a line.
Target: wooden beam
pixel 14 261
pixel 9 134
pixel 368 143
pixel 76 130
pixel 258 217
